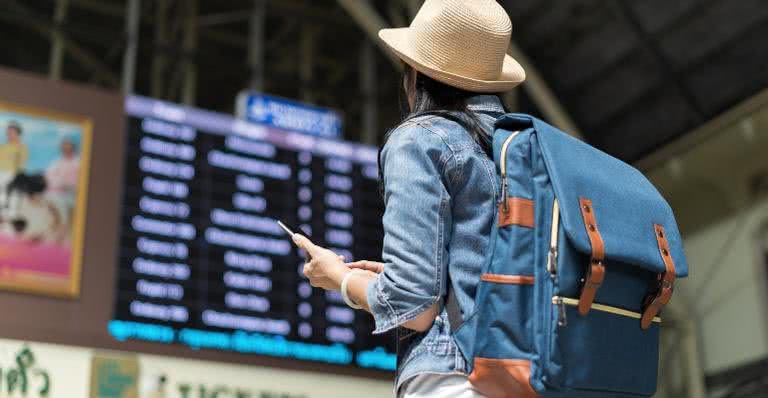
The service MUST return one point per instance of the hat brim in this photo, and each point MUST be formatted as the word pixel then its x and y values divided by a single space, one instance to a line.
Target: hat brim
pixel 398 40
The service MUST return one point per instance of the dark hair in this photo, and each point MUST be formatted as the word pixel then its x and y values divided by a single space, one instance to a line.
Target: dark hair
pixel 441 100
pixel 16 126
pixel 29 184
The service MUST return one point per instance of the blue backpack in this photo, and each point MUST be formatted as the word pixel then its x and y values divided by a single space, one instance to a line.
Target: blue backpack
pixel 583 257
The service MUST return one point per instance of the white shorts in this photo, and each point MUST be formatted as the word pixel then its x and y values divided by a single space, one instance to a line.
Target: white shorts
pixel 435 385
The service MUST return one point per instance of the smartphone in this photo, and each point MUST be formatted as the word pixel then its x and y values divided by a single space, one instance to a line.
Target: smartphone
pixel 290 233
pixel 286 229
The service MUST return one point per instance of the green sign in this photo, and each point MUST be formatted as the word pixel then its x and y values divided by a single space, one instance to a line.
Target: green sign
pixel 114 377
pixel 24 378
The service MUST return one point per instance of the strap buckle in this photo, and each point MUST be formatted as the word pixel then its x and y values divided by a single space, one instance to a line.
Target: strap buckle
pixel 592 281
pixel 655 302
pixel 665 286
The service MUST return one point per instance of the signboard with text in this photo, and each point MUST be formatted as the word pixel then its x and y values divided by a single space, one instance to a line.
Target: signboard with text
pixel 289 115
pixel 202 260
pixel 41 370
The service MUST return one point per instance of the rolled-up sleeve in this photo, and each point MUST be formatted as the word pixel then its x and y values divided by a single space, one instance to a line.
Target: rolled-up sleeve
pixel 417 220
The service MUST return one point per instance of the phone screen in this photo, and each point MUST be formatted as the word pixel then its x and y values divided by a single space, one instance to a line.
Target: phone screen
pixel 289 229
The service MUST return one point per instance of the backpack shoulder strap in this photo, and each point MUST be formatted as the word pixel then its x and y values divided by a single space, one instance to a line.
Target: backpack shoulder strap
pixel 453 311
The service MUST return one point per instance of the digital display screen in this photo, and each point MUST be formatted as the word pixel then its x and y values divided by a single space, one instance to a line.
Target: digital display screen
pixel 203 262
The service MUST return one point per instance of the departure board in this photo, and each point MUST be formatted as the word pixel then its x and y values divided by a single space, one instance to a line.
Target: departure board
pixel 203 262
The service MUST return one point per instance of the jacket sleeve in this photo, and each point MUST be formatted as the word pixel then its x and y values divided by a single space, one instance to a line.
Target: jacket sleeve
pixel 417 220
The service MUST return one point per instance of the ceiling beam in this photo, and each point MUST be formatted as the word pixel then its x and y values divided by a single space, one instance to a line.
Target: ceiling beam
pixel 42 26
pixel 710 129
pixel 56 57
pixel 413 6
pixel 132 19
pixel 101 7
pixel 288 8
pixel 647 41
pixel 658 34
pixel 370 22
pixel 542 95
pixel 223 18
pixel 303 9
pixel 397 14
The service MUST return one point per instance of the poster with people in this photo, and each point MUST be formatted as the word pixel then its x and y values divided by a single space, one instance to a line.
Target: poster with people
pixel 43 187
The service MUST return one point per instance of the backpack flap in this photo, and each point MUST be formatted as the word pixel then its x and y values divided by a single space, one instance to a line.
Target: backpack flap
pixel 609 211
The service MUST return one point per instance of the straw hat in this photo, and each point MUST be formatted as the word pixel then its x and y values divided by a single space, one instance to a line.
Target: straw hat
pixel 462 43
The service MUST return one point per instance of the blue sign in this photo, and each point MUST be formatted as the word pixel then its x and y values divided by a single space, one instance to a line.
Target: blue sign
pixel 290 115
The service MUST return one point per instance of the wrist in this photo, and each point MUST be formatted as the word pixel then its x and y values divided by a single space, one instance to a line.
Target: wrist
pixel 345 286
pixel 338 276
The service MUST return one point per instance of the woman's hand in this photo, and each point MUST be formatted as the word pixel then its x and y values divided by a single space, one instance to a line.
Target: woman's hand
pixel 325 268
pixel 373 266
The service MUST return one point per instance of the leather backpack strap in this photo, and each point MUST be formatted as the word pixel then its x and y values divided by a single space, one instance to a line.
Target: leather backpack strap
pixel 517 211
pixel 453 311
pixel 662 292
pixel 596 270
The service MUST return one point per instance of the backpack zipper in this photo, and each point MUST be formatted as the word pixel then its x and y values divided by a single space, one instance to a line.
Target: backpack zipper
pixel 553 235
pixel 572 302
pixel 503 166
pixel 552 260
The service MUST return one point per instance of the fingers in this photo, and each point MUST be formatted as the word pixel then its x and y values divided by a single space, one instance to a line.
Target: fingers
pixel 309 267
pixel 370 273
pixel 362 264
pixel 375 266
pixel 306 244
pixel 367 265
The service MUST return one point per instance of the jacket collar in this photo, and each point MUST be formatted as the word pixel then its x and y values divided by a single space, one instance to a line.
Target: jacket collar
pixel 485 103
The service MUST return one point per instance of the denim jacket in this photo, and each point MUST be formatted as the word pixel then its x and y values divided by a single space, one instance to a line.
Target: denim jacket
pixel 440 194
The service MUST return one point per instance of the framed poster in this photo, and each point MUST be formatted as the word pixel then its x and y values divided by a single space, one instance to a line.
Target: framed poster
pixel 44 166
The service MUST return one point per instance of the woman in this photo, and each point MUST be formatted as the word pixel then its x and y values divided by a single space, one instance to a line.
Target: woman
pixel 440 192
pixel 61 180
